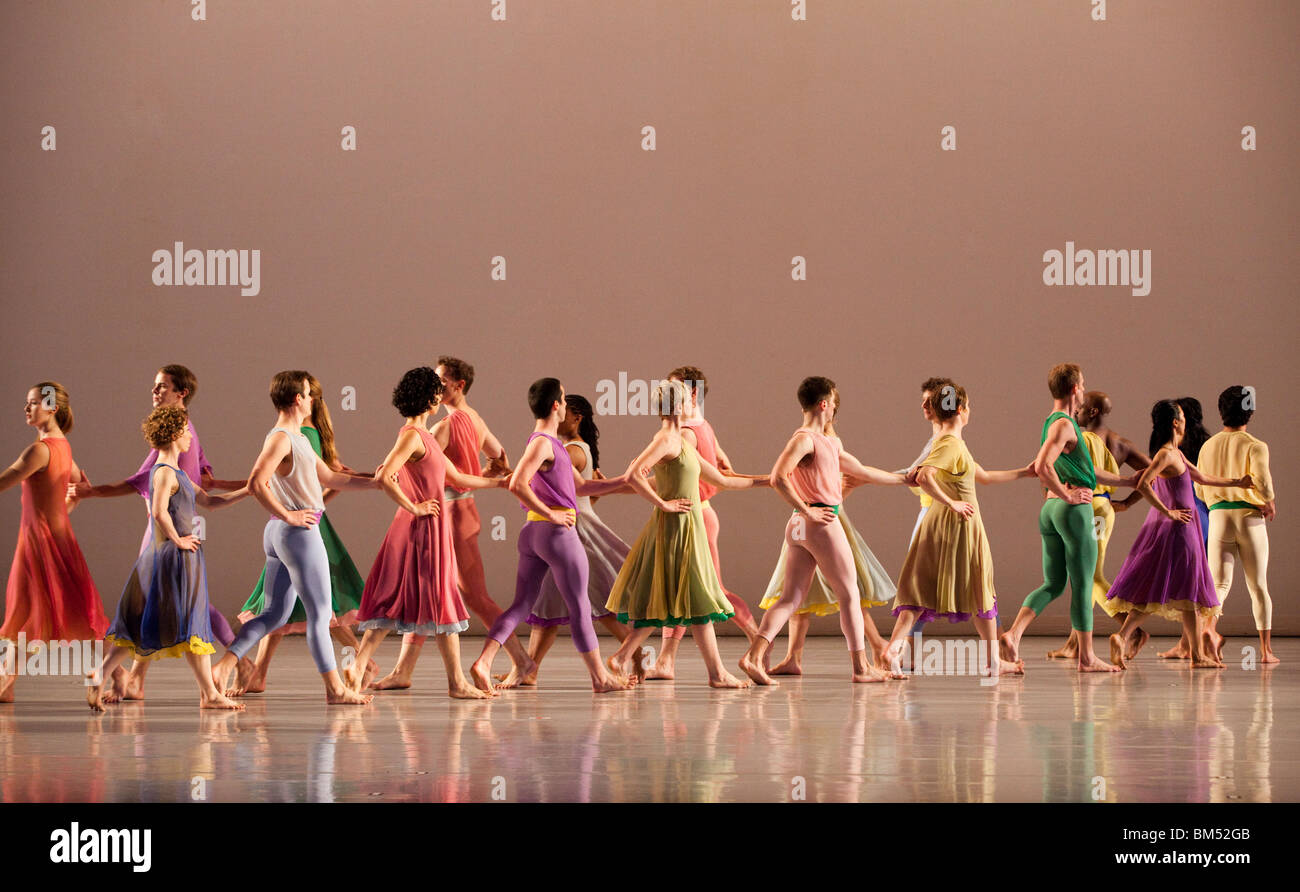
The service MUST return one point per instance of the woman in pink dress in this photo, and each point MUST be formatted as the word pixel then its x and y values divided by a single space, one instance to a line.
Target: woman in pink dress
pixel 51 595
pixel 412 585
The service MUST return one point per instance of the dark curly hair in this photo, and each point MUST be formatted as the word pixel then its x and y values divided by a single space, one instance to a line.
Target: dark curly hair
pixel 164 426
pixel 417 392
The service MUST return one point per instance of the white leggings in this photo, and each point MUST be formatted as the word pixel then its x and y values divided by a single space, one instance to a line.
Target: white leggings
pixel 1239 531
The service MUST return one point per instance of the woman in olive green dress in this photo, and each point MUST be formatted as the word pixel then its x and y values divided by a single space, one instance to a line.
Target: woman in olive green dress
pixel 668 578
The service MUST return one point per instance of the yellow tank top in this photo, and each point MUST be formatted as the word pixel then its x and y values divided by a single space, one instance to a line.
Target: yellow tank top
pixel 1101 459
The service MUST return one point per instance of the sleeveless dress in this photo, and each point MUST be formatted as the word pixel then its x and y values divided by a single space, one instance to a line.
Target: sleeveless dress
pixel 668 578
pixel 1166 571
pixel 948 572
pixel 51 595
pixel 606 553
pixel 412 584
pixel 164 607
pixel 874 583
pixel 346 583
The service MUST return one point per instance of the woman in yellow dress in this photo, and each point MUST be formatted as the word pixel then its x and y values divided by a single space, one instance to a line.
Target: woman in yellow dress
pixel 948 573
pixel 668 578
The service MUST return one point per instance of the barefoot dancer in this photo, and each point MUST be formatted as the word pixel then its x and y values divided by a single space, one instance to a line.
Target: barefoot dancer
pixel 808 476
pixel 346 583
pixel 1166 571
pixel 875 586
pixel 606 552
pixel 929 387
pixel 287 480
pixel 173 385
pixel 164 607
pixel 1065 520
pixel 948 572
pixel 462 436
pixel 699 433
pixel 1237 516
pixel 412 585
pixel 669 578
pixel 1091 418
pixel 51 595
pixel 547 484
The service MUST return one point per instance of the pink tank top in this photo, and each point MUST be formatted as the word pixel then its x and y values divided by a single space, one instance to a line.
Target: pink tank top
pixel 462 445
pixel 707 449
pixel 817 477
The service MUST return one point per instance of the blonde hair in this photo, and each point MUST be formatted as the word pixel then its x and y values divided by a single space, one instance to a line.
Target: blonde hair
pixel 62 407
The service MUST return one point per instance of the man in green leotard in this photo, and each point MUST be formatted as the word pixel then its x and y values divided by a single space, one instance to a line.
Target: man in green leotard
pixel 1065 521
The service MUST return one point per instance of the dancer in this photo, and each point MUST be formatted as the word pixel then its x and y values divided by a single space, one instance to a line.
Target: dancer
pixel 875 587
pixel 1065 520
pixel 50 595
pixel 547 484
pixel 931 389
pixel 948 572
pixel 462 435
pixel 669 578
pixel 1238 516
pixel 1166 572
pixel 1092 422
pixel 346 583
pixel 699 433
pixel 163 611
pixel 808 476
pixel 605 551
pixel 287 481
pixel 1193 439
pixel 412 584
pixel 173 386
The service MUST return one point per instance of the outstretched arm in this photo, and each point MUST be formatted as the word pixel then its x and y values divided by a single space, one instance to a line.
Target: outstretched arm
pixel 209 500
pixel 851 467
pixel 985 478
pixel 1243 482
pixel 599 487
pixel 342 480
pixel 726 481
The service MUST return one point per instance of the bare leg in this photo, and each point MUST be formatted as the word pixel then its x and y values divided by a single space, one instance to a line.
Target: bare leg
pixel 354 675
pixel 627 660
pixel 265 651
pixel 988 632
pixel 458 686
pixel 540 641
pixel 134 688
pixel 891 660
pixel 707 641
pixel 1088 661
pixel 1009 640
pixel 1179 651
pixel 1067 651
pixel 792 664
pixel 209 696
pixel 665 668
pixel 99 681
pixel 1202 657
pixel 1266 647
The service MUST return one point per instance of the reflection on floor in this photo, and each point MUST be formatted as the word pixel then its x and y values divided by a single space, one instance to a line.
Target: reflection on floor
pixel 1159 732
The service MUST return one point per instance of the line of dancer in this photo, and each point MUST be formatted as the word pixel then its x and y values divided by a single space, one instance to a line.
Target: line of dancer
pixel 574 571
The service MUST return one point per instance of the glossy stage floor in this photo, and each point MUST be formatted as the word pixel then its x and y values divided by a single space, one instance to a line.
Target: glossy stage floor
pixel 1159 733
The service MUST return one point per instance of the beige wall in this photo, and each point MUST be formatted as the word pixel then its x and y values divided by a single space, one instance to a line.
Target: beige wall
pixel 775 138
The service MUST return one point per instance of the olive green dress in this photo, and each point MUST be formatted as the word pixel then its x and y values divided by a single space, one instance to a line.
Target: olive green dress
pixel 668 578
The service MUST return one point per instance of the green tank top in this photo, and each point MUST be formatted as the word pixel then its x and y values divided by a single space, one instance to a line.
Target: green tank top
pixel 1074 468
pixel 679 478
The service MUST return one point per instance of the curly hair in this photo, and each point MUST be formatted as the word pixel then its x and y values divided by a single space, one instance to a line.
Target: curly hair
pixel 164 426
pixel 417 392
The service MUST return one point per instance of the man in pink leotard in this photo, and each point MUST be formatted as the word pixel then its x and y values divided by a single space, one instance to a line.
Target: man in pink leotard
pixel 700 434
pixel 463 435
pixel 808 474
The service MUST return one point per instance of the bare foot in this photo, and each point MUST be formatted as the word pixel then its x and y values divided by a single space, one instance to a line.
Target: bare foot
pixel 730 681
pixel 1177 652
pixel 519 675
pixel 466 691
pixel 1267 657
pixel 131 687
pixel 1206 663
pixel 245 669
pixel 749 667
pixel 1016 668
pixel 218 701
pixel 7 687
pixel 890 660
pixel 1213 645
pixel 479 675
pixel 872 675
pixel 95 698
pixel 662 670
pixel 218 677
pixel 256 684
pixel 1008 649
pixel 1098 665
pixel 1139 642
pixel 390 682
pixel 608 683
pixel 346 697
pixel 1068 651
pixel 790 666
pixel 1116 652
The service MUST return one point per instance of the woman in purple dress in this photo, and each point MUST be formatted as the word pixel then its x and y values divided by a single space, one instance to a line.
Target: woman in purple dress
pixel 1166 571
